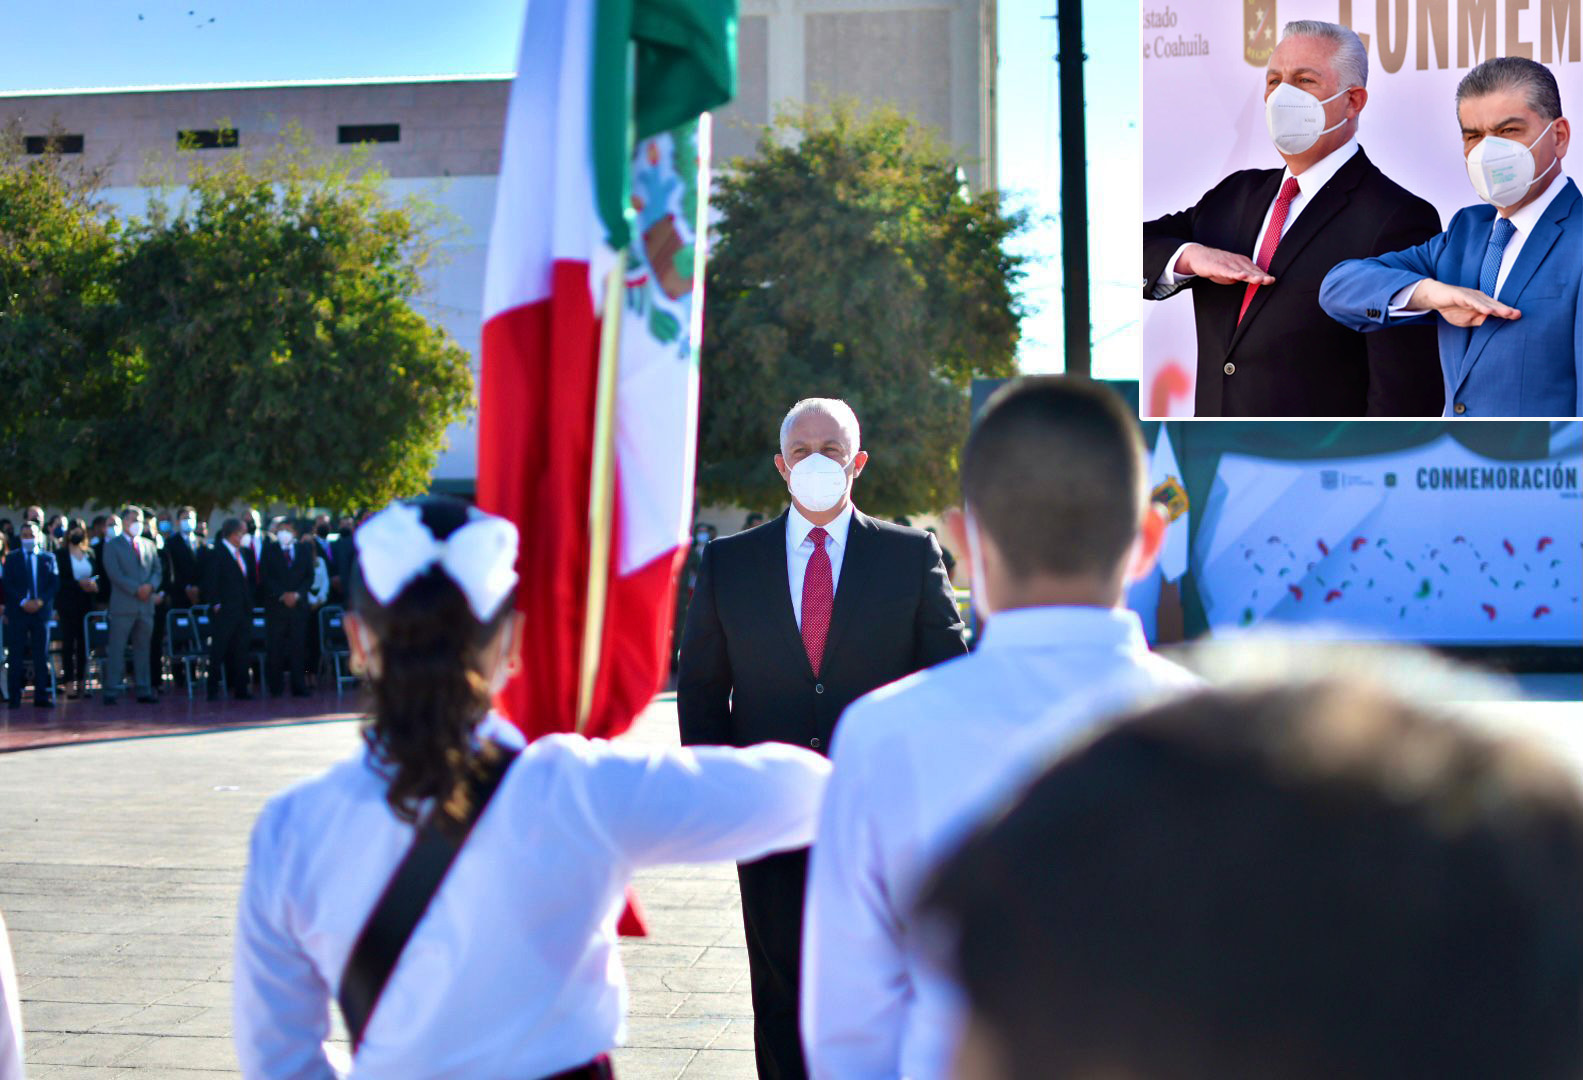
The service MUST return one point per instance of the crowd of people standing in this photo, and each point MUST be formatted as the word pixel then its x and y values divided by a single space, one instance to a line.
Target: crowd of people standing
pixel 137 565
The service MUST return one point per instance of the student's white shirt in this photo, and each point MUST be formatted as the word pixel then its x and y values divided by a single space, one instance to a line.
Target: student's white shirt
pixel 10 1012
pixel 514 970
pixel 799 549
pixel 917 764
pixel 1309 184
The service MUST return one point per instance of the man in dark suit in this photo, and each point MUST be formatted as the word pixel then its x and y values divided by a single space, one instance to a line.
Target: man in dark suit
pixel 789 623
pixel 1256 248
pixel 187 555
pixel 30 585
pixel 228 590
pixel 287 574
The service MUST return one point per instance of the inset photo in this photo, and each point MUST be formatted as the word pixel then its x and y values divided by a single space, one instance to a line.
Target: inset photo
pixel 1361 212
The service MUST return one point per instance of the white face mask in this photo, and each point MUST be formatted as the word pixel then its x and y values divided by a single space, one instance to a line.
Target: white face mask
pixel 134 529
pixel 1502 170
pixel 1296 118
pixel 817 483
pixel 284 538
pixel 975 566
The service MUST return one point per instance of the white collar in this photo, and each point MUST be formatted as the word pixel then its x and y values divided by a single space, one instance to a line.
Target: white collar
pixel 1089 627
pixel 798 527
pixel 1319 173
pixel 503 731
pixel 1528 217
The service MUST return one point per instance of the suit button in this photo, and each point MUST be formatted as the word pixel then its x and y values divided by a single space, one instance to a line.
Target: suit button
pixel 814 742
pixel 1230 368
pixel 1460 408
pixel 1373 313
pixel 818 687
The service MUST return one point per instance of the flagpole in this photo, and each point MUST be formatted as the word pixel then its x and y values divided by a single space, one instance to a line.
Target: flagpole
pixel 601 488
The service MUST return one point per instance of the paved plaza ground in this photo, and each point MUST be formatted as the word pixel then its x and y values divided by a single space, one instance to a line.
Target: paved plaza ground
pixel 120 864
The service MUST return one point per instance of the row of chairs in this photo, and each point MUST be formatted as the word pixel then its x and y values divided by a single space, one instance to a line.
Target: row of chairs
pixel 187 645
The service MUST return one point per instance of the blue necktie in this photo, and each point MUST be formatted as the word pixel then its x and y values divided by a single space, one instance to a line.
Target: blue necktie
pixel 1490 272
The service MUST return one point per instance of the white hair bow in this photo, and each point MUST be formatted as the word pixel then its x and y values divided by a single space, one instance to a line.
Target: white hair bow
pixel 394 547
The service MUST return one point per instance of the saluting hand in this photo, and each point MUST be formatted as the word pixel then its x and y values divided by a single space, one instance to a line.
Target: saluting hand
pixel 1457 305
pixel 1221 267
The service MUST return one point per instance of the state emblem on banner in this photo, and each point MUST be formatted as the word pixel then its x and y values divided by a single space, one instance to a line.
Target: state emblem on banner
pixel 1172 495
pixel 1259 30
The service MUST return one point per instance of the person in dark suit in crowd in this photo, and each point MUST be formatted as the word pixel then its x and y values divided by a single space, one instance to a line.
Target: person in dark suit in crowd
pixel 287 575
pixel 56 531
pixel 1300 881
pixel 160 529
pixel 342 554
pixel 228 575
pixel 31 583
pixel 81 588
pixel 187 556
pixel 789 623
pixel 1503 285
pixel 131 563
pixel 1255 249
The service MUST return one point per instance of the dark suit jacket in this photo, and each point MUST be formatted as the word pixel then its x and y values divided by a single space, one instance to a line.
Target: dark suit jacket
pixel 18 583
pixel 226 584
pixel 1287 357
pixel 744 676
pixel 186 568
pixel 280 576
pixel 72 601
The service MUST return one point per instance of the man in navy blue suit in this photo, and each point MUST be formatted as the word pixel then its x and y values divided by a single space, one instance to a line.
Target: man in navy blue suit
pixel 1502 281
pixel 30 585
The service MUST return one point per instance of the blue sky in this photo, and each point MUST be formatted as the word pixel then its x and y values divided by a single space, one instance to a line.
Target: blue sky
pixel 87 43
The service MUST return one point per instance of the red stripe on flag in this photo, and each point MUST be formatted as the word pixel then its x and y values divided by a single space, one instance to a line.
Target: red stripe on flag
pixel 535 451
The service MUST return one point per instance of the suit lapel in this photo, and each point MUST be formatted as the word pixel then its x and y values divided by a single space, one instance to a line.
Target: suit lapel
pixel 1535 248
pixel 1260 196
pixel 773 553
pixel 854 576
pixel 1329 201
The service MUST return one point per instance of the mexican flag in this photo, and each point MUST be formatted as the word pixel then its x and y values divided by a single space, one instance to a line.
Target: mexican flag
pixel 604 150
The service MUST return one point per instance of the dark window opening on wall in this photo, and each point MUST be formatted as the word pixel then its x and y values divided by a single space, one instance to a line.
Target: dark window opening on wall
pixel 61 144
pixel 362 133
pixel 211 139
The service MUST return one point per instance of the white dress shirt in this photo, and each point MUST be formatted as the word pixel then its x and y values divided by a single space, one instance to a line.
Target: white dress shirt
pixel 917 764
pixel 514 970
pixel 799 549
pixel 1523 221
pixel 10 1013
pixel 1313 178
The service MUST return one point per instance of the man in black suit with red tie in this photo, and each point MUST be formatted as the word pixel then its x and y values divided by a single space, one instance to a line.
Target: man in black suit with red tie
pixel 790 622
pixel 1256 249
pixel 228 574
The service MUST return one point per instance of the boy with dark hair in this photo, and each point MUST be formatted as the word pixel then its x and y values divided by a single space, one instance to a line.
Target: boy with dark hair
pixel 1300 883
pixel 1057 522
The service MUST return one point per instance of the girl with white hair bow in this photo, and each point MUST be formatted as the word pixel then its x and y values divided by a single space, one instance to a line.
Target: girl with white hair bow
pixel 508 966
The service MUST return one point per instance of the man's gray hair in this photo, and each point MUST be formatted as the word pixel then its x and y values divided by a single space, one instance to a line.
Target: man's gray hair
pixel 128 511
pixel 1350 60
pixel 1514 73
pixel 834 408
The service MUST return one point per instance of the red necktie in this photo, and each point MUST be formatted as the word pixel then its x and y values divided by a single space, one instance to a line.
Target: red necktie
pixel 1272 238
pixel 818 597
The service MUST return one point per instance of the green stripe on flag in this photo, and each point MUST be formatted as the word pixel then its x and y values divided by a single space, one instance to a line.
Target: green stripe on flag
pixel 682 56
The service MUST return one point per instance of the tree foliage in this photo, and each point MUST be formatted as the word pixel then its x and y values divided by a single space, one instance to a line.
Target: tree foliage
pixel 258 339
pixel 59 261
pixel 851 262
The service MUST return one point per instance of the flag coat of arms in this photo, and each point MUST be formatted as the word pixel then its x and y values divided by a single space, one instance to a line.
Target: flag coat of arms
pixel 604 151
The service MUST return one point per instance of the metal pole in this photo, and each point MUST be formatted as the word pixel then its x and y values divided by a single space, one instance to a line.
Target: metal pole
pixel 1074 186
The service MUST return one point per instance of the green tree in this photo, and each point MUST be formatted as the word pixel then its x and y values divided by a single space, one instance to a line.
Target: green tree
pixel 59 261
pixel 272 339
pixel 852 262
